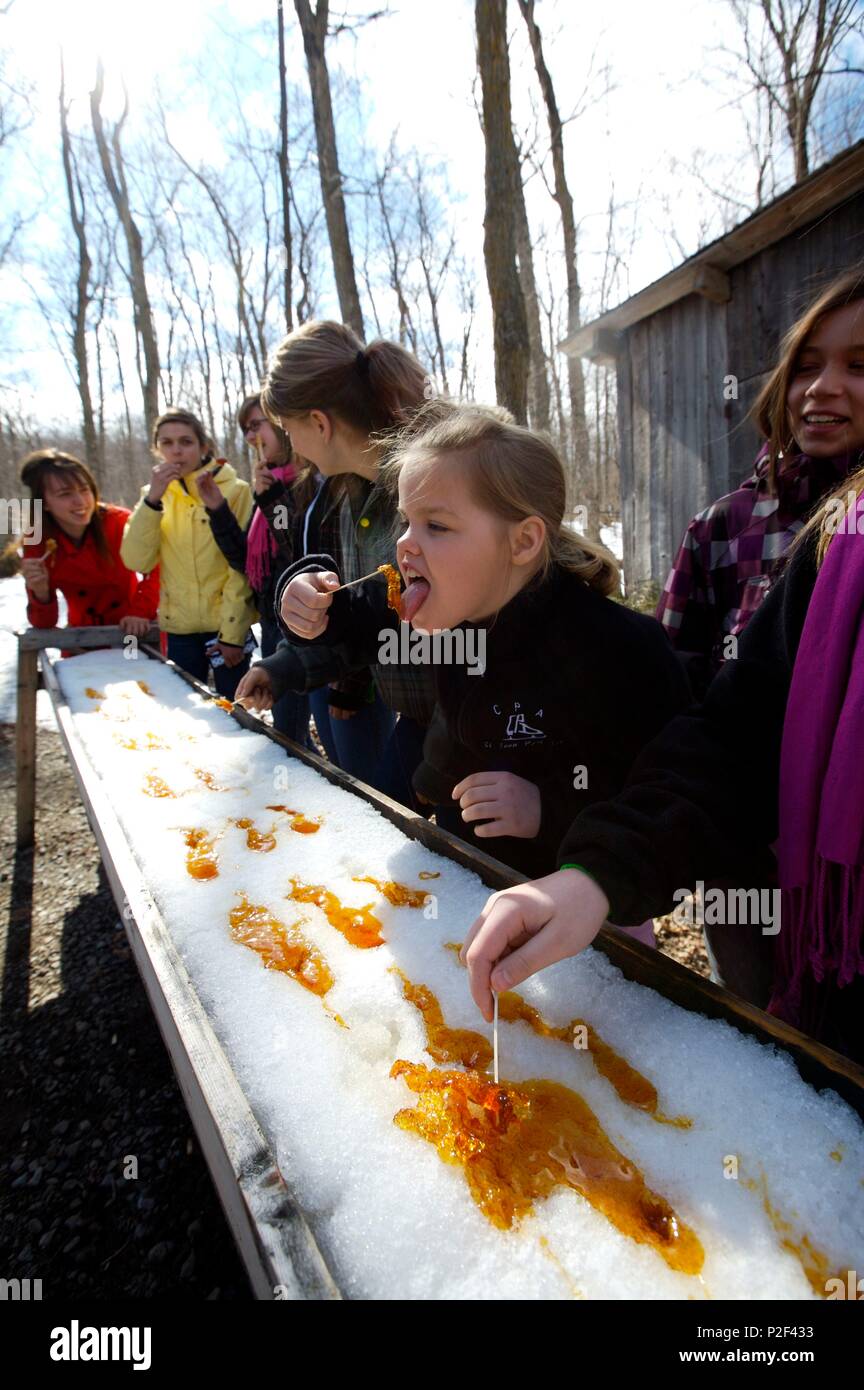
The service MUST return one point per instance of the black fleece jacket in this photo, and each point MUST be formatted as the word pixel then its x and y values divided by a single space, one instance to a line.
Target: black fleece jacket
pixel 702 800
pixel 572 680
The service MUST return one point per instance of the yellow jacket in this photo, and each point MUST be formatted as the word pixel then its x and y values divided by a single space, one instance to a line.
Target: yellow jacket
pixel 198 590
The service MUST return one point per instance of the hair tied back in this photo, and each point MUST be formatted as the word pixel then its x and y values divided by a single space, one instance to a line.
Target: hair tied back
pixel 361 362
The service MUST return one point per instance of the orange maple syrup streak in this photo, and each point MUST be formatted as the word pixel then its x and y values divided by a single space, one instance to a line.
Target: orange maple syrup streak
pixel 517 1142
pixel 394 588
pixel 152 742
pixel 300 823
pixel 154 786
pixel 357 924
pixel 427 873
pixel 442 1043
pixel 209 779
pixel 145 689
pixel 575 1291
pixel 815 1264
pixel 631 1086
pixel 222 702
pixel 94 694
pixel 201 860
pixel 397 894
pixel 262 840
pixel 281 947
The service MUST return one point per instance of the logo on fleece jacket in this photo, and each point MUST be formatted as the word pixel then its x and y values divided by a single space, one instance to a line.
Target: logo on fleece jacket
pixel 517 729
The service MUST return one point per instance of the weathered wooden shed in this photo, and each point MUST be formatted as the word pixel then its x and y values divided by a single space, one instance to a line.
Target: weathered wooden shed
pixel 692 350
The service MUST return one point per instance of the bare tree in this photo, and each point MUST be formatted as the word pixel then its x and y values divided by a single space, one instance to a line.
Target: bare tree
pixel 788 49
pixel 251 304
pixel 434 265
pixel 114 173
pixel 509 322
pixel 538 382
pixel 396 244
pixel 467 306
pixel 313 25
pixel 78 334
pixel 585 481
pixel 306 225
pixel 16 115
pixel 284 171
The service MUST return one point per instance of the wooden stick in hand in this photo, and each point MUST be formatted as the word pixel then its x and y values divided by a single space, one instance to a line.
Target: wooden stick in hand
pixel 376 574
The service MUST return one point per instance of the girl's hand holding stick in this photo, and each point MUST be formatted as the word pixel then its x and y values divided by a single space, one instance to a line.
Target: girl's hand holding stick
pixel 262 477
pixel 308 596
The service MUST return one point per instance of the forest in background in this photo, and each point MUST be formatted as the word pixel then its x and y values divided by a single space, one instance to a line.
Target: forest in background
pixel 171 277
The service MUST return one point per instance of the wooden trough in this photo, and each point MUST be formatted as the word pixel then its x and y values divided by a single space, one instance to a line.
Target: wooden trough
pixel 275 1242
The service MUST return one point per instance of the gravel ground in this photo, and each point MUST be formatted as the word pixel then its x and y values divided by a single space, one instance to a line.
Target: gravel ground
pixel 87 1083
pixel 682 943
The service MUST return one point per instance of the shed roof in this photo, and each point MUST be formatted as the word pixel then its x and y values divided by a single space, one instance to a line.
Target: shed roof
pixel 705 272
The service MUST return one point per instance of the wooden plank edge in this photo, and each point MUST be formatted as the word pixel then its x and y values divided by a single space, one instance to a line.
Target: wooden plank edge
pixel 275 1242
pixel 37 639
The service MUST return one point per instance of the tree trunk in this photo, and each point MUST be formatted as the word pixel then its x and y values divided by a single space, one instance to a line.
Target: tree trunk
pixel 538 382
pixel 313 24
pixel 114 172
pixel 75 198
pixel 586 484
pixel 284 175
pixel 509 321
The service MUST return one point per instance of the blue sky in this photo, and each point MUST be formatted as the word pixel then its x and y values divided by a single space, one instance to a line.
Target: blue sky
pixel 415 69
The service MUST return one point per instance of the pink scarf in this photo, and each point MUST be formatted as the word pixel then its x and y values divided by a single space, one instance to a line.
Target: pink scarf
pixel 261 548
pixel 821 842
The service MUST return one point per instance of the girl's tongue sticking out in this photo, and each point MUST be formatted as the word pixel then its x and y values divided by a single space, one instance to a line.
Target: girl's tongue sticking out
pixel 413 598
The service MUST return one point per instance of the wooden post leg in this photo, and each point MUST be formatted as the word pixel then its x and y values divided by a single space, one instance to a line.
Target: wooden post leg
pixel 25 745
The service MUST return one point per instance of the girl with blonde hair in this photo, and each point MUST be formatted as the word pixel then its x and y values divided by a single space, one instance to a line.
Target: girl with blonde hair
pixel 552 722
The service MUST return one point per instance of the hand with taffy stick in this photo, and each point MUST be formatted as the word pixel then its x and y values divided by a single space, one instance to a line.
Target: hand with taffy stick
pixel 262 478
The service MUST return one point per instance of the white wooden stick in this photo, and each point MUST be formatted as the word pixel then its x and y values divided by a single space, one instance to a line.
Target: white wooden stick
pixel 362 580
pixel 495 1037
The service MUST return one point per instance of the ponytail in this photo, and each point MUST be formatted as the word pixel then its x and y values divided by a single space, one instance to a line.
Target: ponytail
pixel 324 366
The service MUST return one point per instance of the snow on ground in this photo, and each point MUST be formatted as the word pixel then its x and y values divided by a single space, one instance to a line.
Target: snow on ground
pixel 392 1219
pixel 13 617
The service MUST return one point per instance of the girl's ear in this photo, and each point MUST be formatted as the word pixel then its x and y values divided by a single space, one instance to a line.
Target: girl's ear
pixel 323 424
pixel 527 539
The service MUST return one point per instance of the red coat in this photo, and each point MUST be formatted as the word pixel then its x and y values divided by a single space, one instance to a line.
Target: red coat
pixel 98 592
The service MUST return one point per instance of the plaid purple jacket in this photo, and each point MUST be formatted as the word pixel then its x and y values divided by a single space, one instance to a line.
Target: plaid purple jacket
pixel 731 554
